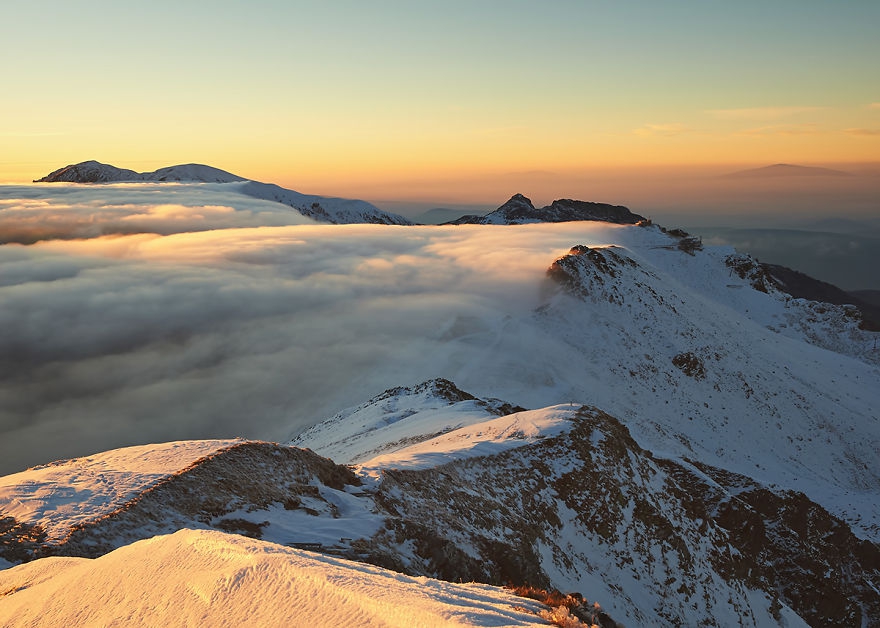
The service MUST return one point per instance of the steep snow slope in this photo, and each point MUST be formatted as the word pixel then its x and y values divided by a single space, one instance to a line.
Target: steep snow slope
pixel 213 579
pixel 397 418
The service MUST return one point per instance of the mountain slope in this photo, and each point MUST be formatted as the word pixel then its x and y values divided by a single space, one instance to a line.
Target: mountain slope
pixel 340 211
pixel 289 489
pixel 560 497
pixel 698 363
pixel 59 496
pixel 654 540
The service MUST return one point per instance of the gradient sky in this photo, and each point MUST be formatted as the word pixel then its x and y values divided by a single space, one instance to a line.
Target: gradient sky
pixel 391 97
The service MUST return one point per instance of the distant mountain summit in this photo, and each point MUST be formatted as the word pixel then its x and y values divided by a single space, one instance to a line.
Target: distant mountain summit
pixel 785 170
pixel 320 208
pixel 96 172
pixel 520 210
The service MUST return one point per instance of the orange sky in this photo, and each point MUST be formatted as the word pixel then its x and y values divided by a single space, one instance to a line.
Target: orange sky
pixel 400 100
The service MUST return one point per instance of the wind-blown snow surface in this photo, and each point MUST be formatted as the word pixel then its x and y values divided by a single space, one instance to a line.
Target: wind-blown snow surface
pixel 208 578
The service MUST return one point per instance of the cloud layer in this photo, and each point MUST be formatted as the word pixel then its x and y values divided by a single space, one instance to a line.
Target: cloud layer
pixel 32 213
pixel 256 332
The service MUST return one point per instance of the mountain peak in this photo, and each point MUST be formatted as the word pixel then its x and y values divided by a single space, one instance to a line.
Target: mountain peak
pixel 518 201
pixel 520 210
pixel 95 172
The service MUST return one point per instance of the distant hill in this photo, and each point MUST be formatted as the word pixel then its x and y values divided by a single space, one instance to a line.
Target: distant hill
pixel 785 170
pixel 96 172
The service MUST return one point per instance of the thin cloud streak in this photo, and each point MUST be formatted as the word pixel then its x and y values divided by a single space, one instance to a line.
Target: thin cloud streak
pixel 667 130
pixel 783 130
pixel 762 113
pixel 869 132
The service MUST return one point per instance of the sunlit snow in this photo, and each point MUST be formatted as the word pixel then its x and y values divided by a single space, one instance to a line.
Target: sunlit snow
pixel 207 578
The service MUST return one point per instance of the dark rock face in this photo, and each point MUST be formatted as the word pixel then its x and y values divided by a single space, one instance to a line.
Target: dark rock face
pixel 789 546
pixel 704 535
pixel 519 209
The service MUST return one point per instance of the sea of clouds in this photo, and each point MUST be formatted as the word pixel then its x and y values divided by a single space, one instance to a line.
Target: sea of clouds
pixel 135 313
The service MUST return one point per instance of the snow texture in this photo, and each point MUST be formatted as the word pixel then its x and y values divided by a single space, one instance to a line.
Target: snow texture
pixel 205 578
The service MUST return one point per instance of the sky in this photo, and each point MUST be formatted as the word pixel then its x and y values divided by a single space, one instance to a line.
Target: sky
pixel 410 100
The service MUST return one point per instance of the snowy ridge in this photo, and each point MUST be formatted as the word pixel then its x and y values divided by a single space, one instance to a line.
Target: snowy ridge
pixel 486 438
pixel 63 494
pixel 288 489
pixel 397 418
pixel 213 579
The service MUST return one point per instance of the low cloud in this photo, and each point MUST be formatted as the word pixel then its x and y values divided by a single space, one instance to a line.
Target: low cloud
pixel 784 130
pixel 32 213
pixel 125 339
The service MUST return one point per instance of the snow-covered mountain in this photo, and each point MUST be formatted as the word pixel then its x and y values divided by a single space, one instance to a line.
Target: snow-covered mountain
pixel 319 208
pixel 520 210
pixel 341 211
pixel 657 424
pixel 561 497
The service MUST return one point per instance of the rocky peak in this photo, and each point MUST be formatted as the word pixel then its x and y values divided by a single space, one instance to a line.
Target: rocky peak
pixel 519 210
pixel 517 202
